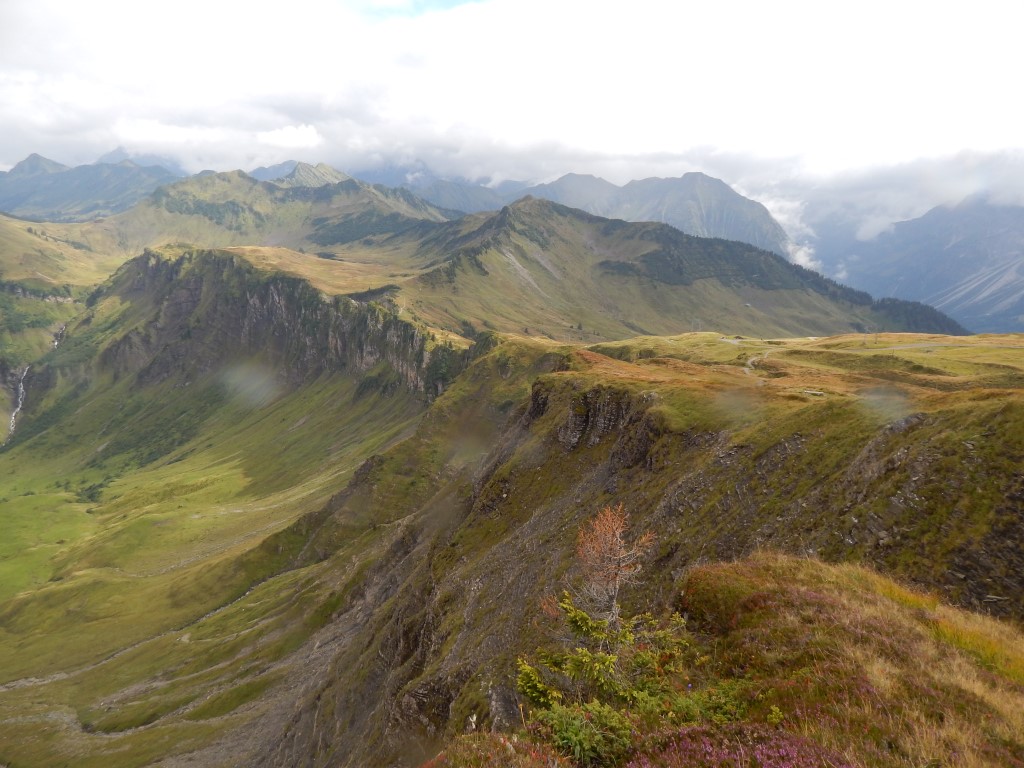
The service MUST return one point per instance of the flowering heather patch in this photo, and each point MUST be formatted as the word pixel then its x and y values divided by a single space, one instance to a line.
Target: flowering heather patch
pixel 740 746
pixel 492 749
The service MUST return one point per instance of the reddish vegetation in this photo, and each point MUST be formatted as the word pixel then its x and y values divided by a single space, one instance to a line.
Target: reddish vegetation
pixel 740 746
pixel 606 560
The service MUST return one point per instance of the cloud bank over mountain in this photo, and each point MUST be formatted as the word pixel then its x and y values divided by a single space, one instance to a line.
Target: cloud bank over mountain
pixel 892 110
pixel 233 83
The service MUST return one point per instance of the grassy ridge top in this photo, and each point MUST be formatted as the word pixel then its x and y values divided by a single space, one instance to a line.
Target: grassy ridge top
pixel 540 268
pixel 48 256
pixel 792 662
pixel 876 467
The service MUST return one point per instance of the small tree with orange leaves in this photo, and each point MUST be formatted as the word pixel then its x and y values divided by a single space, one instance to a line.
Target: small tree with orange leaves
pixel 614 677
pixel 608 561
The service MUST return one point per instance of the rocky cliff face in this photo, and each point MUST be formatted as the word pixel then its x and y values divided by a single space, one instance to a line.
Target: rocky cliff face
pixel 206 306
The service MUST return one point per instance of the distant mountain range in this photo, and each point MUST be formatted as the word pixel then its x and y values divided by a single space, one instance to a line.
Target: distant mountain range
pixel 694 203
pixel 233 208
pixel 535 264
pixel 38 188
pixel 965 259
pixel 166 162
pixel 556 270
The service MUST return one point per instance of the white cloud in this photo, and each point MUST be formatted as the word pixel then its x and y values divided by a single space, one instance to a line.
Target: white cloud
pixel 756 93
pixel 803 255
pixel 156 133
pixel 291 137
pixel 873 226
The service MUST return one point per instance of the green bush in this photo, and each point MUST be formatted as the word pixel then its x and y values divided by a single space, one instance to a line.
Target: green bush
pixel 605 690
pixel 592 733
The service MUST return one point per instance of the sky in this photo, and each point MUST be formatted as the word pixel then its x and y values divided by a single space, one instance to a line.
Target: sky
pixel 777 98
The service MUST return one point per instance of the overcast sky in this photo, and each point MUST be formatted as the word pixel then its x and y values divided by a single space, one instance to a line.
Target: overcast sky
pixel 762 94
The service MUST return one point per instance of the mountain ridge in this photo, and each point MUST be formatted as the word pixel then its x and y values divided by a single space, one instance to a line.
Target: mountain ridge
pixel 612 279
pixel 36 164
pixel 295 475
pixel 694 203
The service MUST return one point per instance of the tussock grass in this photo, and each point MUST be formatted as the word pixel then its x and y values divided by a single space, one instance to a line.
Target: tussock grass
pixel 869 668
pixel 832 665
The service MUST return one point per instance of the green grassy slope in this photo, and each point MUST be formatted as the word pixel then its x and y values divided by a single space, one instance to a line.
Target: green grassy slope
pixel 46 271
pixel 44 255
pixel 223 209
pixel 842 447
pixel 567 275
pixel 238 533
pixel 168 437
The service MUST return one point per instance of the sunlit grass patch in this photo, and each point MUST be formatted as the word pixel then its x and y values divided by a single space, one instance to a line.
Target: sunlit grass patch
pixel 988 642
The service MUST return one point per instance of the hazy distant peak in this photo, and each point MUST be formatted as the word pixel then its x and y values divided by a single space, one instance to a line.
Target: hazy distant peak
pixel 114 156
pixel 985 199
pixel 583 178
pixel 273 172
pixel 586 192
pixel 580 182
pixel 43 189
pixel 34 164
pixel 121 155
pixel 692 180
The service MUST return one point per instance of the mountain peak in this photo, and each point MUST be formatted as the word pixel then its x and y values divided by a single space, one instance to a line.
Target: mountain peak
pixel 306 175
pixel 121 155
pixel 529 205
pixel 35 164
pixel 273 172
pixel 584 178
pixel 580 191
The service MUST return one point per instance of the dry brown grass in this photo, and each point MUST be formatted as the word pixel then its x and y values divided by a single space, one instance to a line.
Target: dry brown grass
pixel 331 276
pixel 886 675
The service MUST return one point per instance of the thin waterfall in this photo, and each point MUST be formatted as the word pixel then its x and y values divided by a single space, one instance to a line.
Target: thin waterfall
pixel 17 406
